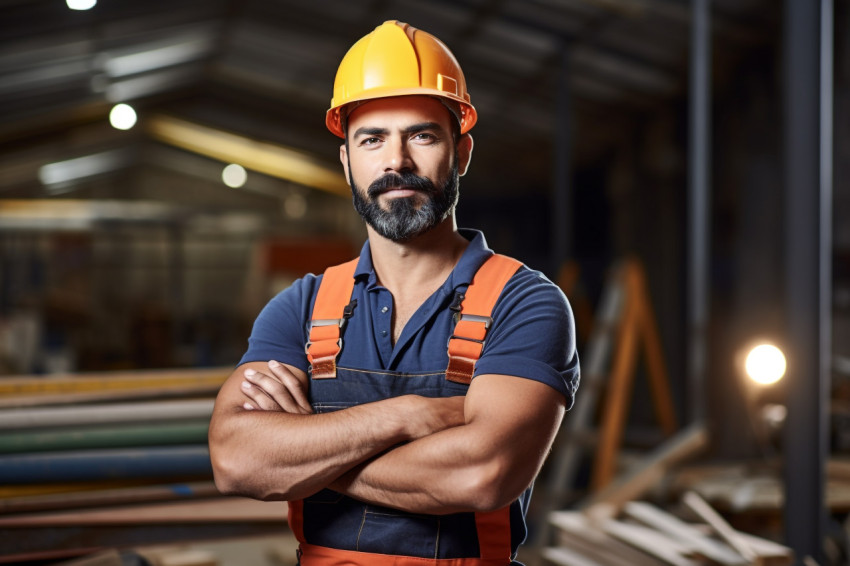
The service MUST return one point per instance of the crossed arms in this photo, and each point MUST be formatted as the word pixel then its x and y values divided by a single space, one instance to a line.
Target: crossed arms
pixel 418 454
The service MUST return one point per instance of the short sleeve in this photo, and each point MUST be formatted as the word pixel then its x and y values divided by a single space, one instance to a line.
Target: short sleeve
pixel 533 335
pixel 279 331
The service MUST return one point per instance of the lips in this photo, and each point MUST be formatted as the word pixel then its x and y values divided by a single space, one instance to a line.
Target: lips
pixel 401 191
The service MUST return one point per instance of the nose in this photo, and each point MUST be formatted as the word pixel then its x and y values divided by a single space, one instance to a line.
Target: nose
pixel 398 157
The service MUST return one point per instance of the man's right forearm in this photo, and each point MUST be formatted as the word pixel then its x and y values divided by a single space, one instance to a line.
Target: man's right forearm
pixel 279 455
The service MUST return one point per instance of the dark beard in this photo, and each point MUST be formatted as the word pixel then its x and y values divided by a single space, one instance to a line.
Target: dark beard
pixel 404 220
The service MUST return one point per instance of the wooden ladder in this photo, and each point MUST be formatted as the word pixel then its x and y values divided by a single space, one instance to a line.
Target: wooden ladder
pixel 623 325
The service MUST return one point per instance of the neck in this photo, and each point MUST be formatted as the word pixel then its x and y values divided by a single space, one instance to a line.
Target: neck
pixel 424 261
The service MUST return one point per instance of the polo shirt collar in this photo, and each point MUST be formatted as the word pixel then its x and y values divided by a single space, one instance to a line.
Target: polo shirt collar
pixel 475 254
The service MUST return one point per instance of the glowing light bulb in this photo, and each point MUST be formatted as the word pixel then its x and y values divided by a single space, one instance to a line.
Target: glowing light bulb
pixel 234 176
pixel 122 117
pixel 765 364
pixel 81 4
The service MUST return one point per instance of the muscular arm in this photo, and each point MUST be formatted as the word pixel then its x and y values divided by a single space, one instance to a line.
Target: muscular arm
pixel 288 452
pixel 485 464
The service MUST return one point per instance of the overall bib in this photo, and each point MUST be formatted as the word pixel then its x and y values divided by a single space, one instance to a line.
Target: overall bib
pixel 336 530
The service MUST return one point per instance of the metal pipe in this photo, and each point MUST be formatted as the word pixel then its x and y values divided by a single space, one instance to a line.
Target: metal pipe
pixel 114 435
pixel 46 417
pixel 699 159
pixel 808 45
pixel 91 465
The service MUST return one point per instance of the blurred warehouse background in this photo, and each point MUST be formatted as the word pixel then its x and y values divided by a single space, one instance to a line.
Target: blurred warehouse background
pixel 152 244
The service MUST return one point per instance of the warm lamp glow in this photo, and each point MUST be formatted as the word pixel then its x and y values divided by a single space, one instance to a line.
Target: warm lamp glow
pixel 765 364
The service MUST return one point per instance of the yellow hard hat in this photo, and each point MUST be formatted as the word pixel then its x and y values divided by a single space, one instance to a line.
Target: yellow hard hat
pixel 396 59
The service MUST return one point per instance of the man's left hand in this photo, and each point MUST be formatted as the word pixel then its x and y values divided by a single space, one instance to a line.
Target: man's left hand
pixel 277 390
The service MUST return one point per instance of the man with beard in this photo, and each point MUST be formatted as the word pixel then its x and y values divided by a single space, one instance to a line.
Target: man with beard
pixel 402 402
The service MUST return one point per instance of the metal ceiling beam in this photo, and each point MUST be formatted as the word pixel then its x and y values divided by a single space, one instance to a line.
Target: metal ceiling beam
pixel 267 158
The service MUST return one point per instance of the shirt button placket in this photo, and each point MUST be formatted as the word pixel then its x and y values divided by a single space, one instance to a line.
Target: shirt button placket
pixel 385 332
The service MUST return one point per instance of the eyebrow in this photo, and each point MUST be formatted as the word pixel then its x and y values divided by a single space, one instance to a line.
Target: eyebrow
pixel 422 126
pixel 370 132
pixel 412 129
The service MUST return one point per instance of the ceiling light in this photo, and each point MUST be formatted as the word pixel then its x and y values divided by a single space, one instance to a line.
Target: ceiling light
pixel 295 206
pixel 122 117
pixel 234 176
pixel 81 4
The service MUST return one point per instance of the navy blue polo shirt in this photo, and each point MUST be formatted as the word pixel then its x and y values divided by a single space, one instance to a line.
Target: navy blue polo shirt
pixel 532 336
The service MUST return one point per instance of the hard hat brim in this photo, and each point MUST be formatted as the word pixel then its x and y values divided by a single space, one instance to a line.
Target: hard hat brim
pixel 335 116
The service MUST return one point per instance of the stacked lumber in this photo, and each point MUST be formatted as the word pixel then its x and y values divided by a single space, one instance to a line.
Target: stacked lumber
pixel 642 534
pixel 756 488
pixel 88 428
pixel 84 451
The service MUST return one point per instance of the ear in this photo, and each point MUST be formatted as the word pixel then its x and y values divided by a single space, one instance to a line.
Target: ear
pixel 343 158
pixel 464 153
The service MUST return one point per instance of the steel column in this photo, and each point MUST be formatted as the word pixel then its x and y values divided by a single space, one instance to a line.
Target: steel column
pixel 562 213
pixel 699 159
pixel 808 191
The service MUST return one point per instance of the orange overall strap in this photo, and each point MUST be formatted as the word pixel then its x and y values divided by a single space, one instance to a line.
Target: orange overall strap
pixel 467 341
pixel 329 316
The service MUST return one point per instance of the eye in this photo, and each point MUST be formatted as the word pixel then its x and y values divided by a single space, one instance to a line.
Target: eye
pixel 369 141
pixel 425 137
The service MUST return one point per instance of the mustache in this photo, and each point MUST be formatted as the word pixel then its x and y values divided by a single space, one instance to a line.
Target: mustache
pixel 404 179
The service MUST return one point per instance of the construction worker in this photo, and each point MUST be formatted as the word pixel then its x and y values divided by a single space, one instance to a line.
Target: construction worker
pixel 403 402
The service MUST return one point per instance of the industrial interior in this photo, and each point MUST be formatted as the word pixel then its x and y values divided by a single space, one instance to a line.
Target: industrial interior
pixel 678 167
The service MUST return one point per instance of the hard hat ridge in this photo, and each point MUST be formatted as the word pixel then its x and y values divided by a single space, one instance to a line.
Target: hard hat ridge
pixel 397 59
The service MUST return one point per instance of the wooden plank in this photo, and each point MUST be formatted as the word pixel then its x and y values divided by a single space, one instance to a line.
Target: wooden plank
pixel 667 549
pixel 29 543
pixel 687 534
pixel 146 394
pixel 214 510
pixel 838 468
pixel 648 474
pixel 114 496
pixel 699 506
pixel 578 532
pixel 177 556
pixel 113 381
pixel 103 558
pixel 769 551
pixel 53 488
pixel 54 417
pixel 567 557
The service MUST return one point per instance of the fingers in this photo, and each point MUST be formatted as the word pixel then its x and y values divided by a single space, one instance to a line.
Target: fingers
pixel 270 393
pixel 257 397
pixel 293 385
